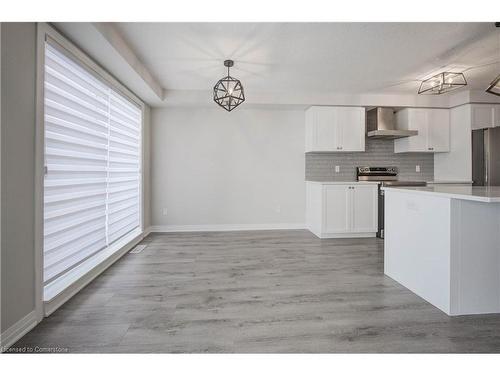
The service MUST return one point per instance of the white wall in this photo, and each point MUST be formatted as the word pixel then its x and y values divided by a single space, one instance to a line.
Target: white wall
pixel 18 166
pixel 456 164
pixel 18 70
pixel 211 167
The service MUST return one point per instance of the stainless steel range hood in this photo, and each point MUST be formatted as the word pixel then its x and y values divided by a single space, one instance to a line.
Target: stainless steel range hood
pixel 380 123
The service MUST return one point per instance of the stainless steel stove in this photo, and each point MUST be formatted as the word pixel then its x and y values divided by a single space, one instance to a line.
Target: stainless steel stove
pixel 386 176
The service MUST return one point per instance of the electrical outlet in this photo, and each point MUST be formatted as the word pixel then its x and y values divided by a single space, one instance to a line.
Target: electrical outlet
pixel 164 211
pixel 337 169
pixel 417 168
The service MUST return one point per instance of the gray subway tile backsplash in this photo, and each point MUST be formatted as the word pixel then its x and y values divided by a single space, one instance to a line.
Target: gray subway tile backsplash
pixel 379 153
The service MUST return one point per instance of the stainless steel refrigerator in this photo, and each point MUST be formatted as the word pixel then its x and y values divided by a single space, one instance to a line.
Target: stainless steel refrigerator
pixel 486 157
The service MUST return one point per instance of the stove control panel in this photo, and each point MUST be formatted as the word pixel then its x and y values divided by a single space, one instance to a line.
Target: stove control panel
pixel 377 171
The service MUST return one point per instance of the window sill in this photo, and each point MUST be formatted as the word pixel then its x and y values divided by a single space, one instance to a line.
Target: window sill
pixel 59 291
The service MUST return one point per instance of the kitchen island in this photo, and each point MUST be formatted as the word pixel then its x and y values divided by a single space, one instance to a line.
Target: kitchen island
pixel 443 243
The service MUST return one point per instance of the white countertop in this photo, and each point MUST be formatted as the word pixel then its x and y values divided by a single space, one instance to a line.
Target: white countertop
pixel 343 182
pixel 451 182
pixel 488 194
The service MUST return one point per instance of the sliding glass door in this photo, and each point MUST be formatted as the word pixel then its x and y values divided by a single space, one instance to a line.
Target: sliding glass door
pixel 92 183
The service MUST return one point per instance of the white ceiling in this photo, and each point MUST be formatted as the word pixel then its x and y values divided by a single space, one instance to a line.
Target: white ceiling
pixel 319 57
pixel 292 63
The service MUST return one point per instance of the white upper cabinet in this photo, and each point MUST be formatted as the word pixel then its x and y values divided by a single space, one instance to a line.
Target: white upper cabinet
pixel 485 116
pixel 335 129
pixel 438 130
pixel 352 125
pixel 321 129
pixel 412 119
pixel 433 126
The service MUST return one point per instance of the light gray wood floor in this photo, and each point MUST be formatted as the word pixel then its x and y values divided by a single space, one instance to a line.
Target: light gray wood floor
pixel 259 292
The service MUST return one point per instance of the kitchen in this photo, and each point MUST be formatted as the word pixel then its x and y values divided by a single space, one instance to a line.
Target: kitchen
pixel 459 277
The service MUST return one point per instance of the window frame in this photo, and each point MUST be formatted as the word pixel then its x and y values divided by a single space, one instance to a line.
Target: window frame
pixel 82 275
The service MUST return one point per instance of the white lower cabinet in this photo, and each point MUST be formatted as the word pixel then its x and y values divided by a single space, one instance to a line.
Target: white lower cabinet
pixel 364 213
pixel 342 210
pixel 336 198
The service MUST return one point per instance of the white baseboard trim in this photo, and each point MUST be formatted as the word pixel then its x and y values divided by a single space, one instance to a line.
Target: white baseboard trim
pixel 147 231
pixel 346 235
pixel 27 323
pixel 17 330
pixel 224 227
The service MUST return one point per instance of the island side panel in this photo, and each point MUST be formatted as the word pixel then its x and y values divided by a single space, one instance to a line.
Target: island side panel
pixel 417 244
pixel 475 262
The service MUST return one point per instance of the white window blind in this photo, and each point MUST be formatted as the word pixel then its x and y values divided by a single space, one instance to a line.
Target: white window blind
pixel 92 191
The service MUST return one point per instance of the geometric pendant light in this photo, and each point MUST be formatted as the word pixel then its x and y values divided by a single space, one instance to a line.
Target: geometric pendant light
pixel 442 83
pixel 494 87
pixel 228 91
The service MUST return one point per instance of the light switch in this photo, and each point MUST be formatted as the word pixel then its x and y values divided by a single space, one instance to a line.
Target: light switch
pixel 164 211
